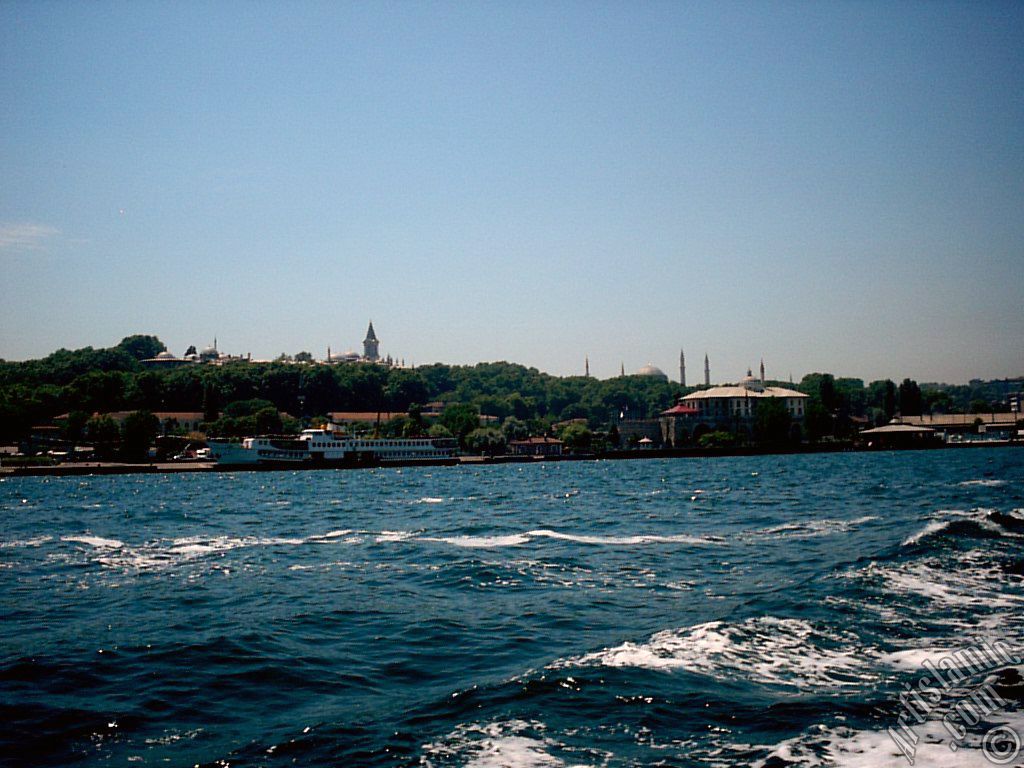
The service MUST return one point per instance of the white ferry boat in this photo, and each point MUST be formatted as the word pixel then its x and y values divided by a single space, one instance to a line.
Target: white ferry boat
pixel 329 447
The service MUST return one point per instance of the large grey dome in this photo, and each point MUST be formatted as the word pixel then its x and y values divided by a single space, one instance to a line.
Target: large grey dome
pixel 652 370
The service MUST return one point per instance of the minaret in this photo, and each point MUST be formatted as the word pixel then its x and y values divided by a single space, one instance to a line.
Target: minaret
pixel 707 371
pixel 371 345
pixel 622 369
pixel 762 371
pixel 328 353
pixel 586 366
pixel 682 369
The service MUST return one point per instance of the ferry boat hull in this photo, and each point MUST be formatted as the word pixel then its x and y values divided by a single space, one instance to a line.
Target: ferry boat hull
pixel 325 448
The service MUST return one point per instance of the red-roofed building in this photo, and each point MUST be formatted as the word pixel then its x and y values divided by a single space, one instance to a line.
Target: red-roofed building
pixel 536 446
pixel 677 424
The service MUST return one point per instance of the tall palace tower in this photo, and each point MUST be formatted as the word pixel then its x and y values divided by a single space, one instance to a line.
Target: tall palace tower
pixel 371 345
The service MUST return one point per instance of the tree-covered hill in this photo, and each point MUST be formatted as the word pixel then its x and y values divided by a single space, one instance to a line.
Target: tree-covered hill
pixel 103 380
pixel 88 381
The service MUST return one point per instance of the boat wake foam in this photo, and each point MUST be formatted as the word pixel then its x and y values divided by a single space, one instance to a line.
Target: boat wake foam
pixel 765 650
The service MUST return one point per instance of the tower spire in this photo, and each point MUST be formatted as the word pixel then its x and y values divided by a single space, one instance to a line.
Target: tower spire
pixel 707 371
pixel 371 345
pixel 586 366
pixel 762 371
pixel 682 368
pixel 622 369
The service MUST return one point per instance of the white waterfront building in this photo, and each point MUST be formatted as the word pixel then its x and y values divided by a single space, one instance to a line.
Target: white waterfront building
pixel 736 405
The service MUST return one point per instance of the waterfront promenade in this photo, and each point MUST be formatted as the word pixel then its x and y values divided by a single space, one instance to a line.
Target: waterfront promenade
pixel 71 469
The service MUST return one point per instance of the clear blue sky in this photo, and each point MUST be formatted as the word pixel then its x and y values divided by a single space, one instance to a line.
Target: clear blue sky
pixel 832 186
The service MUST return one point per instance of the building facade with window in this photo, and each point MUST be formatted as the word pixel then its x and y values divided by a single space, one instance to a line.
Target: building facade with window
pixel 734 408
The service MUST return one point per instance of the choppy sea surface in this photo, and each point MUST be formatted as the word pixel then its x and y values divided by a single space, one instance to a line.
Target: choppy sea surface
pixel 764 611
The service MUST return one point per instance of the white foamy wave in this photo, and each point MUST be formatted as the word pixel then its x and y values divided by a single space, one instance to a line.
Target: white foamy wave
pixel 942 519
pixel 767 650
pixel 198 546
pixel 328 537
pixel 163 554
pixel 636 539
pixel 512 752
pixel 33 542
pixel 681 585
pixel 95 541
pixel 503 744
pixel 519 539
pixel 430 500
pixel 389 536
pixel 913 659
pixel 988 483
pixel 973 582
pixel 933 527
pixel 485 542
pixel 806 529
pixel 846 747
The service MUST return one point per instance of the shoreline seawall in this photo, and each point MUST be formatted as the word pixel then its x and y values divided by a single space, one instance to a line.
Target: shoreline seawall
pixel 121 468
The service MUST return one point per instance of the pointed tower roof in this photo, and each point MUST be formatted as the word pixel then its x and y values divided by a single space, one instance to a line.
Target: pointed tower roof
pixel 370 335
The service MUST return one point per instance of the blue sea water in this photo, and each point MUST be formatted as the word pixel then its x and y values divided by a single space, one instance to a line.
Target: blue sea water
pixel 762 610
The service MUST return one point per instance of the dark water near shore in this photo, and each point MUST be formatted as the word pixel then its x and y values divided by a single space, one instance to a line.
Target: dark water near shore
pixel 759 610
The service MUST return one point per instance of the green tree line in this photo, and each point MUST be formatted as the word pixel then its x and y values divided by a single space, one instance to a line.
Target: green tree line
pixel 240 397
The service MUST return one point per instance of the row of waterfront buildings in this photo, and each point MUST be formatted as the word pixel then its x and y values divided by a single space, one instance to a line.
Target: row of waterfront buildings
pixel 732 408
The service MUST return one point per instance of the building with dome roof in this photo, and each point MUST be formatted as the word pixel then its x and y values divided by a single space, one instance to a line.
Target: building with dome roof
pixel 164 361
pixel 734 407
pixel 653 371
pixel 349 356
pixel 210 354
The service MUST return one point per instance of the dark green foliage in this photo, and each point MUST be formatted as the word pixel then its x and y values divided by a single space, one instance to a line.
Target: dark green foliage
pixel 460 420
pixel 526 400
pixel 515 429
pixel 486 440
pixel 821 387
pixel 614 438
pixel 103 433
pixel 910 398
pixel 772 423
pixel 937 401
pixel 717 439
pixel 268 421
pixel 211 401
pixel 64 366
pixel 74 425
pixel 820 411
pixel 439 430
pixel 576 437
pixel 247 407
pixel 97 391
pixel 137 433
pixel 401 426
pixel 146 391
pixel 142 347
pixel 989 396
